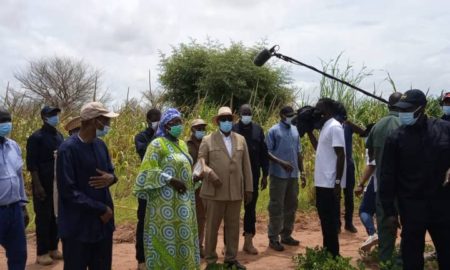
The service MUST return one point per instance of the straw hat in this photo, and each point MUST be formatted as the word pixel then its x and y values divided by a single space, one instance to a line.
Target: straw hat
pixel 224 111
pixel 198 122
pixel 94 109
pixel 73 123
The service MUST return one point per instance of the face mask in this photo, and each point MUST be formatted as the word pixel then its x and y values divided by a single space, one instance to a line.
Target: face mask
pixel 53 120
pixel 407 118
pixel 226 126
pixel 289 120
pixel 246 119
pixel 102 133
pixel 446 109
pixel 199 134
pixel 176 131
pixel 5 129
pixel 155 125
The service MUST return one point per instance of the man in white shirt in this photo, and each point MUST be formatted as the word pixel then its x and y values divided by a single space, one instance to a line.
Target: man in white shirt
pixel 329 173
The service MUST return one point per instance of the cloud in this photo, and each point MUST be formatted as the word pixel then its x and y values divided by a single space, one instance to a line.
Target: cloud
pixel 123 38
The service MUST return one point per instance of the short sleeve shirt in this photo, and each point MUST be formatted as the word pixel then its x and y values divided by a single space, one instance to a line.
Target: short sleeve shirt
pixel 331 135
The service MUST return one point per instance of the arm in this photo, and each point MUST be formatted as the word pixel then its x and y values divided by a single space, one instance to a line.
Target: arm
pixel 247 170
pixel 389 177
pixel 264 155
pixel 340 153
pixel 312 139
pixel 141 145
pixel 271 145
pixel 356 129
pixel 68 187
pixel 32 165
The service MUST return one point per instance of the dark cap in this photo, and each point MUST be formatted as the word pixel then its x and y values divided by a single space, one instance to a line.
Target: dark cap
pixel 287 110
pixel 446 96
pixel 4 115
pixel 49 109
pixel 412 98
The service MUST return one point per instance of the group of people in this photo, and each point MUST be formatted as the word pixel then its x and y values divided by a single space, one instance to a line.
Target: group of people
pixel 186 190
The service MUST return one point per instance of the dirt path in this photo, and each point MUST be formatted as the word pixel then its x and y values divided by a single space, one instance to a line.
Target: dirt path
pixel 307 230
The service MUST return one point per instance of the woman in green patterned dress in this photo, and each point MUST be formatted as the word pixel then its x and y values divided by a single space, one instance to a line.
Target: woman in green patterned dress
pixel 165 181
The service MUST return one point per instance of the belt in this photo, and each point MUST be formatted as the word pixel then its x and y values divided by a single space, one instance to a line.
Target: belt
pixel 8 205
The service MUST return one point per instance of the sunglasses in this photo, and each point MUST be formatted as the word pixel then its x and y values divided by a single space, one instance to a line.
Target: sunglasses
pixel 225 118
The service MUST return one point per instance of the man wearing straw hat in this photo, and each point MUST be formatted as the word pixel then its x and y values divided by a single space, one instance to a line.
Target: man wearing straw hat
pixel 84 174
pixel 226 153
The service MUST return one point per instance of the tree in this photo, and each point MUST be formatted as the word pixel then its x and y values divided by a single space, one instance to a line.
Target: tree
pixel 220 75
pixel 61 81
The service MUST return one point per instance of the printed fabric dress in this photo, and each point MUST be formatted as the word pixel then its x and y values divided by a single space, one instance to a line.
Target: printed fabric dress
pixel 170 230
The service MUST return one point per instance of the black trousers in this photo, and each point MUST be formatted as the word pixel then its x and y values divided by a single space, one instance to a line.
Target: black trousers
pixel 413 242
pixel 327 203
pixel 46 228
pixel 349 201
pixel 93 256
pixel 140 256
pixel 250 215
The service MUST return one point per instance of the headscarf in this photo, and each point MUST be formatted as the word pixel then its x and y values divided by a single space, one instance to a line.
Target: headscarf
pixel 167 116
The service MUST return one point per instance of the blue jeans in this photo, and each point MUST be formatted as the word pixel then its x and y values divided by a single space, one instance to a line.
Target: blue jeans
pixel 12 236
pixel 368 208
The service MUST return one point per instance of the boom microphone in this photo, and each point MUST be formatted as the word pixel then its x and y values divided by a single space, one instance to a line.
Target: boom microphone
pixel 263 56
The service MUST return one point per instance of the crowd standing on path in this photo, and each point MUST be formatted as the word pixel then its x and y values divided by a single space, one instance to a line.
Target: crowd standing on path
pixel 185 190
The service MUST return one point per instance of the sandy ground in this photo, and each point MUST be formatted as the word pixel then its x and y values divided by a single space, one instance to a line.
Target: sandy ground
pixel 307 230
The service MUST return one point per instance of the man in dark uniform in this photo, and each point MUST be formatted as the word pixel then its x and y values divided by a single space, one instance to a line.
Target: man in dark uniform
pixel 198 131
pixel 415 171
pixel 259 159
pixel 141 141
pixel 446 106
pixel 41 146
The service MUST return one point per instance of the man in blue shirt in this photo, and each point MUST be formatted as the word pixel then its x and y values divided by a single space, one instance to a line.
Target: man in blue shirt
pixel 41 147
pixel 284 148
pixel 13 215
pixel 84 174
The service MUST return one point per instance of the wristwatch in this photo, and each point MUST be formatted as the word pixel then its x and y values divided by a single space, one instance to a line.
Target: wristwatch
pixel 338 181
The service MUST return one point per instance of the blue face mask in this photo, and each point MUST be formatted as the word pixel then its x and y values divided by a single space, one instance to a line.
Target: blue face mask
pixel 446 109
pixel 407 118
pixel 246 119
pixel 226 126
pixel 53 120
pixel 5 129
pixel 289 120
pixel 102 133
pixel 199 134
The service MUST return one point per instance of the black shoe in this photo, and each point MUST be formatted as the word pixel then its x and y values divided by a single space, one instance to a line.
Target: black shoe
pixel 290 241
pixel 275 245
pixel 351 228
pixel 235 265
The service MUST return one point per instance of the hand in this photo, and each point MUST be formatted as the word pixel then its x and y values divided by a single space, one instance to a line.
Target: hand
pixel 178 185
pixel 303 180
pixel 287 166
pixel 39 192
pixel 26 217
pixel 102 181
pixel 393 222
pixel 263 182
pixel 359 190
pixel 248 196
pixel 197 178
pixel 107 216
pixel 337 190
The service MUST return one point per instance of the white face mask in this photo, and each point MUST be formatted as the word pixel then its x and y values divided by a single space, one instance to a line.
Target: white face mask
pixel 246 119
pixel 289 120
pixel 155 125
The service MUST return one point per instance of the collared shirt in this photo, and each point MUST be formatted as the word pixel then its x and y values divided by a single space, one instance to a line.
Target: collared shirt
pixel 41 146
pixel 377 137
pixel 142 140
pixel 414 164
pixel 283 142
pixel 228 143
pixel 331 136
pixel 11 179
pixel 80 205
pixel 257 148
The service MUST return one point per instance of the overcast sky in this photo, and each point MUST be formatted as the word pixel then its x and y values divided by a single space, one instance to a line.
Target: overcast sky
pixel 408 39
